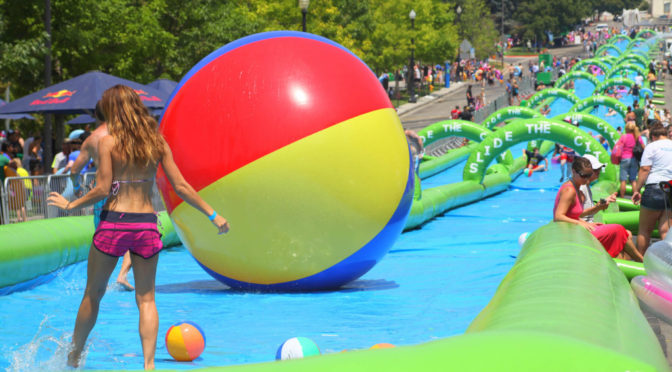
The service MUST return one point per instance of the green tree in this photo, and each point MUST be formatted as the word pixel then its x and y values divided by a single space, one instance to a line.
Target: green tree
pixel 538 16
pixel 612 6
pixel 22 39
pixel 477 26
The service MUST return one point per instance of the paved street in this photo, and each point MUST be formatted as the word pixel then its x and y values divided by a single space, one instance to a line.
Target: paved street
pixel 439 108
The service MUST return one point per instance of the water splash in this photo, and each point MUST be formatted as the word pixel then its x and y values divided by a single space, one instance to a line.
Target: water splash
pixel 47 351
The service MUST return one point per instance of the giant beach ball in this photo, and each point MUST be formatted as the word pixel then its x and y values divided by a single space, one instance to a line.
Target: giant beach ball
pixel 291 137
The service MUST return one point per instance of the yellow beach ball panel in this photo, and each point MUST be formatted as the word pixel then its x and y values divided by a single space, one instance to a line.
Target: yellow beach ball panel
pixel 304 207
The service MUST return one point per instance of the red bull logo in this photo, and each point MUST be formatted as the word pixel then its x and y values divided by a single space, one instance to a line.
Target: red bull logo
pixel 60 93
pixel 144 96
pixel 53 98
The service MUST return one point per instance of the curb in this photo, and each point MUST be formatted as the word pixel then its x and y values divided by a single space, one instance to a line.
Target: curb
pixel 422 101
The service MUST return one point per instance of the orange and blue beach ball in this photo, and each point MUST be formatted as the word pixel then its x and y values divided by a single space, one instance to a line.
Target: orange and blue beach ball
pixel 185 341
pixel 292 138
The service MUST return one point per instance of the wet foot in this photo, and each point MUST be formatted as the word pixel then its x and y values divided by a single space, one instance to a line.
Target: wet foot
pixel 73 359
pixel 125 284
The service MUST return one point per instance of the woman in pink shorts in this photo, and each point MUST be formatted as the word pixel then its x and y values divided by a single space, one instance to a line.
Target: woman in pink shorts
pixel 129 158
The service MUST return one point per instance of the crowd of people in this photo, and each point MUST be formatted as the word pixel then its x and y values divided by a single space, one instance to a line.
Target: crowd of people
pixel 21 157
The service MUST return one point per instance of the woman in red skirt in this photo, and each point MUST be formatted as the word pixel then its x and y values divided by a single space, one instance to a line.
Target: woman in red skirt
pixel 569 206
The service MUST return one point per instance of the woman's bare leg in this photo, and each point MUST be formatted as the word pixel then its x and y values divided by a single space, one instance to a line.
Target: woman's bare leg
pixel 621 191
pixel 664 223
pixel 98 271
pixel 647 222
pixel 122 278
pixel 632 251
pixel 144 271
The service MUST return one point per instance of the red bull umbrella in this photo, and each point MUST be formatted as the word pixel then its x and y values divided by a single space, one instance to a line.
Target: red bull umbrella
pixel 14 116
pixel 79 95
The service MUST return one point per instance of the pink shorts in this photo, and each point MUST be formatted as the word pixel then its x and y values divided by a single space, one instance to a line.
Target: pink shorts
pixel 119 232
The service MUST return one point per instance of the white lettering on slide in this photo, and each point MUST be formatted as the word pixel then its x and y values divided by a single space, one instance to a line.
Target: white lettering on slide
pixel 577 140
pixel 543 127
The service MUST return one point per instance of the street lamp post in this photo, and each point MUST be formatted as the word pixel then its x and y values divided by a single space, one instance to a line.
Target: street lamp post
pixel 503 37
pixel 411 70
pixel 303 4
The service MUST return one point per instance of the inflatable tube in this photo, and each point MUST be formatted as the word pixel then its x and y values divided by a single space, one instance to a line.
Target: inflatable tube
pixel 644 33
pixel 658 262
pixel 458 128
pixel 629 220
pixel 556 93
pixel 630 269
pixel 438 200
pixel 508 113
pixel 600 309
pixel 647 92
pixel 654 295
pixel 629 57
pixel 617 38
pixel 531 129
pixel 579 66
pixel 451 158
pixel 606 48
pixel 593 122
pixel 625 205
pixel 637 41
pixel 61 242
pixel 625 67
pixel 600 100
pixel 610 82
pixel 575 75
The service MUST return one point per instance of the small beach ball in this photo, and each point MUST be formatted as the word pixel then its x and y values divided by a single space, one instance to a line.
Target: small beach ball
pixel 185 341
pixel 382 345
pixel 292 138
pixel 297 348
pixel 522 239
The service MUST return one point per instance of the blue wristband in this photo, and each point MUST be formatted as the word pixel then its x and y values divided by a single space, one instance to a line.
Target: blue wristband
pixel 212 216
pixel 77 187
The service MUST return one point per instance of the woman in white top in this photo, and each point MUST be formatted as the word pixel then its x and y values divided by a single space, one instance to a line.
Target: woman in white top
pixel 655 167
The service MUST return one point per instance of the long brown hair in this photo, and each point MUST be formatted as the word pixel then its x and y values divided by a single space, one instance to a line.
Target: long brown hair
pixel 134 129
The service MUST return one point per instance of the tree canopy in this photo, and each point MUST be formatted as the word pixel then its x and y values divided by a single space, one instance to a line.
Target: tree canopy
pixel 143 40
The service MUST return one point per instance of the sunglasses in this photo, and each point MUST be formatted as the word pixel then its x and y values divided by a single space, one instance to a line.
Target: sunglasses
pixel 585 175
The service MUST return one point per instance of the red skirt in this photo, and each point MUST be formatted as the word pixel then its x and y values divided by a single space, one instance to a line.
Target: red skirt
pixel 612 237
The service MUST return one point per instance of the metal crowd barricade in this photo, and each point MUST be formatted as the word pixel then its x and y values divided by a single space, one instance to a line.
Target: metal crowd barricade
pixel 24 199
pixel 3 204
pixel 62 184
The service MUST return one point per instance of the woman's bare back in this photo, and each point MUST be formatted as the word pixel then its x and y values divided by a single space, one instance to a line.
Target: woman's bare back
pixel 132 186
